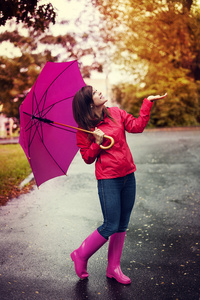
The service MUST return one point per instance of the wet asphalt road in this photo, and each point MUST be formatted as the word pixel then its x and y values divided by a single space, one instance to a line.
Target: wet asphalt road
pixel 39 230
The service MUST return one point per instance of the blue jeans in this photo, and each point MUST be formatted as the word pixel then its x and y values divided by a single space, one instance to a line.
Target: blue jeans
pixel 117 197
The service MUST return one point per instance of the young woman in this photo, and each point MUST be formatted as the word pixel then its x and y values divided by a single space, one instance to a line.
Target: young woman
pixel 114 169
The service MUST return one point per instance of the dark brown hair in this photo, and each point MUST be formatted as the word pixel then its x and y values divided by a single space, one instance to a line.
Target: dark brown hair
pixel 83 113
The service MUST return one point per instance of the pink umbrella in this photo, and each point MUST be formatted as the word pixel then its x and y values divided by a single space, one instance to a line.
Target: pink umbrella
pixel 48 142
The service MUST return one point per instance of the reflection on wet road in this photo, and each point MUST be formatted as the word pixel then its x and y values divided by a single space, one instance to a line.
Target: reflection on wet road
pixel 39 230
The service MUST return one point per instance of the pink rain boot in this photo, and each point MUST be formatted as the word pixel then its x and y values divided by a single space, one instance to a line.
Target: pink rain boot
pixel 81 255
pixel 114 256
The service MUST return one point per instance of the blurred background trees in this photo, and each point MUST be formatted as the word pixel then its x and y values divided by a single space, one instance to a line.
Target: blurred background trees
pixel 159 43
pixel 29 33
pixel 156 43
pixel 17 74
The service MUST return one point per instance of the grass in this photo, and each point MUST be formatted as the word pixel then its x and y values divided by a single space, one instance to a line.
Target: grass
pixel 14 168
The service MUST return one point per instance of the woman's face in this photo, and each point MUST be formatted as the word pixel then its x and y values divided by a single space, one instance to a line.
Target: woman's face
pixel 98 98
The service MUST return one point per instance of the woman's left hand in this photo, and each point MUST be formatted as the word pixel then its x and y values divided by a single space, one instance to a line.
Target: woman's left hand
pixel 157 97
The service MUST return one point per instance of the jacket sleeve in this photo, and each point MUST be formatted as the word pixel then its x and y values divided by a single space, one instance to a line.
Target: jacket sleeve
pixel 137 125
pixel 88 148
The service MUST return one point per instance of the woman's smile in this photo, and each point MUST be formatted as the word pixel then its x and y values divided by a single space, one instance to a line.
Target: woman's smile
pixel 98 98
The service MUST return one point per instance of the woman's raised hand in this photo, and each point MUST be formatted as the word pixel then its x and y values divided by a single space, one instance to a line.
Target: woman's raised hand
pixel 98 134
pixel 157 97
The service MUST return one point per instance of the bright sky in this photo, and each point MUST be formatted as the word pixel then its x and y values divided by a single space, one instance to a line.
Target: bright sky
pixel 72 10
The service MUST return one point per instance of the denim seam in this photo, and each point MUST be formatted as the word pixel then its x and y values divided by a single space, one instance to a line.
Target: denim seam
pixel 105 219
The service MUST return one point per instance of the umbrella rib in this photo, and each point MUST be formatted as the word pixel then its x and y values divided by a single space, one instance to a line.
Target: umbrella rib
pixel 37 104
pixel 51 154
pixel 31 139
pixel 28 123
pixel 55 80
pixel 44 102
pixel 42 140
pixel 51 106
pixel 32 125
pixel 42 134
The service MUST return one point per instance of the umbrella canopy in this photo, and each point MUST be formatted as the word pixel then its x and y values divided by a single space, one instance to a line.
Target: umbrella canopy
pixel 50 147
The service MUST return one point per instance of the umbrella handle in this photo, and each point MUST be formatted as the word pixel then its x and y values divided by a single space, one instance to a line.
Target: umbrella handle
pixel 111 143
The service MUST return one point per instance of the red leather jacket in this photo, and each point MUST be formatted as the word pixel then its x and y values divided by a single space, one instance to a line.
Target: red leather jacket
pixel 116 161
